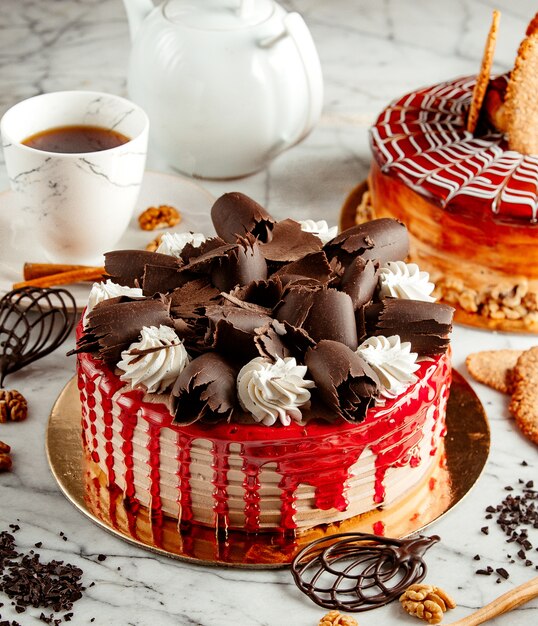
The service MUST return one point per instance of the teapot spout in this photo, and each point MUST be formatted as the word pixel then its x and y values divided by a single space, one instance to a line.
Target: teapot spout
pixel 136 10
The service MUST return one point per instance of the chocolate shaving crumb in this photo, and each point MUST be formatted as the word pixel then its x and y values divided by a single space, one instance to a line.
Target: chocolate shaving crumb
pixel 516 516
pixel 29 582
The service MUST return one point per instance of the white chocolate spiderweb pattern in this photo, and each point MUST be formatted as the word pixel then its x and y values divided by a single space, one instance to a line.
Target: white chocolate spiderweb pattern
pixel 421 139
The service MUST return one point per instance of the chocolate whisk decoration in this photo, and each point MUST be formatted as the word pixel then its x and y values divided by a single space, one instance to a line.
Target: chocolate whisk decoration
pixel 359 571
pixel 33 323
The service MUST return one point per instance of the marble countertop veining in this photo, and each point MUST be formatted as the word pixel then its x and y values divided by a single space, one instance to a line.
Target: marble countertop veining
pixel 371 51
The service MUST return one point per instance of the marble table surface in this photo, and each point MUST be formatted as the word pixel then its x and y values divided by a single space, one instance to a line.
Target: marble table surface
pixel 371 51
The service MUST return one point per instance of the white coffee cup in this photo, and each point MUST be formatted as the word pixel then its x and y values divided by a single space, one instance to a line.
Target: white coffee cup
pixel 80 203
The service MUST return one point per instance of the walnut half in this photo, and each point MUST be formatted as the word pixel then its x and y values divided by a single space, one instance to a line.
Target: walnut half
pixel 335 618
pixel 156 217
pixel 426 602
pixel 5 458
pixel 13 406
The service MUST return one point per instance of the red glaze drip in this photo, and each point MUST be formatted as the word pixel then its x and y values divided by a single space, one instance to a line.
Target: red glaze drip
pixel 220 465
pixel 90 401
pixel 251 485
pixel 156 508
pixel 319 453
pixel 288 485
pixel 184 478
pixel 108 432
pixel 379 529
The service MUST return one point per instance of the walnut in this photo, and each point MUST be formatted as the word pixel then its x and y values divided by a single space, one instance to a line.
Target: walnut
pixel 13 406
pixel 5 458
pixel 468 300
pixel 154 244
pixel 335 618
pixel 426 602
pixel 163 216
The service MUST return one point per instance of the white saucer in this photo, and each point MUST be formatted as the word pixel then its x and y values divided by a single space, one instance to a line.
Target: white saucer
pixel 17 244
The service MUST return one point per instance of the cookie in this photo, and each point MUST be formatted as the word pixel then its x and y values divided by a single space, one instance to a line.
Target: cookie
pixel 493 367
pixel 524 403
pixel 521 102
pixel 482 80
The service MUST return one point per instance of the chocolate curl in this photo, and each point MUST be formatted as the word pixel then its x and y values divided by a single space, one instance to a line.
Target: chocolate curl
pixel 345 382
pixel 113 325
pixel 360 281
pixel 290 243
pixel 243 264
pixel 295 305
pixel 427 325
pixel 264 293
pixel 282 340
pixel 190 252
pixel 126 267
pixel 159 279
pixel 185 301
pixel 381 240
pixel 331 316
pixel 232 331
pixel 205 390
pixel 314 265
pixel 236 215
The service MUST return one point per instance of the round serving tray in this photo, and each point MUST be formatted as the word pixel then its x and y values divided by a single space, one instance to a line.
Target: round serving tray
pixel 457 468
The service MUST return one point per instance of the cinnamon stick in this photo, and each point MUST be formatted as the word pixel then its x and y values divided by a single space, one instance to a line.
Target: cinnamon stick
pixel 38 270
pixel 64 278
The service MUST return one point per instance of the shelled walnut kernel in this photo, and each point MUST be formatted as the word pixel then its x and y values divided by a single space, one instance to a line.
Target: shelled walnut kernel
pixel 5 458
pixel 13 406
pixel 155 217
pixel 335 618
pixel 426 602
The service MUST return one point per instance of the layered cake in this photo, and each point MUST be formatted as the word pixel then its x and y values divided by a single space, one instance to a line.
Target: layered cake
pixel 274 377
pixel 462 173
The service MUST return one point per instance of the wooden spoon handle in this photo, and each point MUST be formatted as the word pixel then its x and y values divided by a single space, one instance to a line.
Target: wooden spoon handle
pixel 508 601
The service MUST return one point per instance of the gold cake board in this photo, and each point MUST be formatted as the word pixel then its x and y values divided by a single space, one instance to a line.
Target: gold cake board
pixel 456 470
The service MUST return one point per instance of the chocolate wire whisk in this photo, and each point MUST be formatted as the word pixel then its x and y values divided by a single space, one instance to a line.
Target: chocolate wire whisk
pixel 359 571
pixel 33 323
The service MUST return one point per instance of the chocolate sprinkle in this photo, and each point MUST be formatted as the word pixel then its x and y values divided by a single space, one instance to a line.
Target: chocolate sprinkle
pixel 359 571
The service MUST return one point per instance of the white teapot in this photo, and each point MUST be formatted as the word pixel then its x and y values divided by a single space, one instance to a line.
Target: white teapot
pixel 227 84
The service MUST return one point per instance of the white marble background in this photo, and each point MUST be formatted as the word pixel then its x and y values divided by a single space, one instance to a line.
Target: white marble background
pixel 371 51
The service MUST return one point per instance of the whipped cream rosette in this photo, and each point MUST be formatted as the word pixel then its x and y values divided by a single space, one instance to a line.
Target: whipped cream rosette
pixel 173 244
pixel 320 228
pixel 107 290
pixel 283 321
pixel 155 362
pixel 392 361
pixel 273 391
pixel 405 280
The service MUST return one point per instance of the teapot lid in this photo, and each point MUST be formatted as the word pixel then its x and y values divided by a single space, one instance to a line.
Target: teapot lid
pixel 218 14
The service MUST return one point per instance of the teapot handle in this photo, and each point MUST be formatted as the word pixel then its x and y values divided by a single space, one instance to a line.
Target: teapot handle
pixel 296 28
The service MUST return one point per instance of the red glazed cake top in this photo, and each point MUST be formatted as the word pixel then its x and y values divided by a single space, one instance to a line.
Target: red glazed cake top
pixel 421 139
